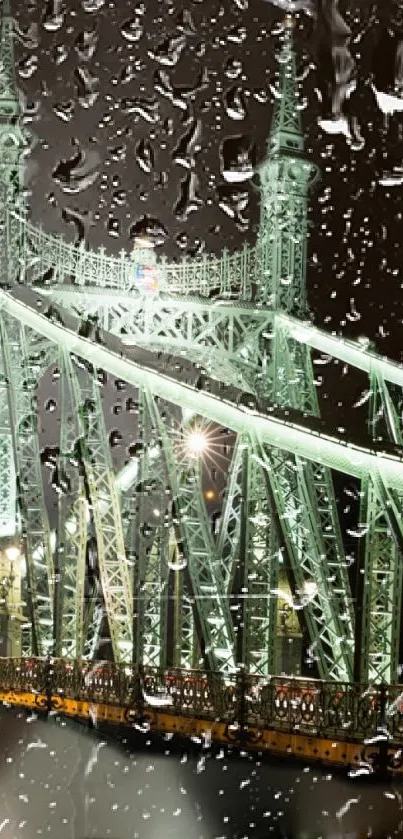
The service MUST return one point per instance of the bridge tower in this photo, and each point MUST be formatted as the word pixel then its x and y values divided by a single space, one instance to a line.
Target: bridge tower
pixel 285 179
pixel 23 518
pixel 285 176
pixel 303 544
pixel 13 144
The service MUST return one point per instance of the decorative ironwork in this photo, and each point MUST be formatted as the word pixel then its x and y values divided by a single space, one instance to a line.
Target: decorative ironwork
pixel 207 276
pixel 340 710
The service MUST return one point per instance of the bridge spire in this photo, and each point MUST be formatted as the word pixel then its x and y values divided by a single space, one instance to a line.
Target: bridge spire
pixel 15 139
pixel 286 130
pixel 9 99
pixel 285 176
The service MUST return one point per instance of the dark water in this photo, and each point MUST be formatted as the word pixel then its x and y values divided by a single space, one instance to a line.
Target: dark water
pixel 61 781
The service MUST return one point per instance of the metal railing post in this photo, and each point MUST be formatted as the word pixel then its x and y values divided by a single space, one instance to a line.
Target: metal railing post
pixel 241 708
pixel 381 760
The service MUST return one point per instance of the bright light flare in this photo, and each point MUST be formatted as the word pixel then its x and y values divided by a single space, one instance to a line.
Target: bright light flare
pixel 309 590
pixel 13 553
pixel 196 442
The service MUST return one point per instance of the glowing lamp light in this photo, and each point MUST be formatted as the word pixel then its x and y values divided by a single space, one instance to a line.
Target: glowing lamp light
pixel 12 553
pixel 209 494
pixel 310 588
pixel 196 442
pixel 289 22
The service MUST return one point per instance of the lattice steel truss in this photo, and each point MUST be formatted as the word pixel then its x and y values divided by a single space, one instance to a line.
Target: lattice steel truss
pixel 137 557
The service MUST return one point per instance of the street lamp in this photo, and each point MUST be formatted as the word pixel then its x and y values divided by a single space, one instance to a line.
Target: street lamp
pixel 12 553
pixel 11 615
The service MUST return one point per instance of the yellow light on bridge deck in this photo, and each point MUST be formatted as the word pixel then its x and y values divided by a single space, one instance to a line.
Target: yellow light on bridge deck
pixel 13 553
pixel 209 495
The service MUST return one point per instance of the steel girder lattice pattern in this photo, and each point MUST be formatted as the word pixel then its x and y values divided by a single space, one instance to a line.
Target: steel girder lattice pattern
pixel 22 372
pixel 72 534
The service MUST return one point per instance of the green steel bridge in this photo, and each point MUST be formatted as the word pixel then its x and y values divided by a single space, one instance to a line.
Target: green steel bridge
pixel 209 343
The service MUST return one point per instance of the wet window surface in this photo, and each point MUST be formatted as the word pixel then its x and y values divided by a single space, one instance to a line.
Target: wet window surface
pixel 201 471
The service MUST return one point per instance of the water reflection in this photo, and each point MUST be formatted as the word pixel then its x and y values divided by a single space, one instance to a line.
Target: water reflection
pixel 60 780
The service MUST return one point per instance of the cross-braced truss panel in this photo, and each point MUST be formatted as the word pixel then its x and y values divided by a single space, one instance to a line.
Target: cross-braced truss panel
pixel 22 368
pixel 105 507
pixel 72 530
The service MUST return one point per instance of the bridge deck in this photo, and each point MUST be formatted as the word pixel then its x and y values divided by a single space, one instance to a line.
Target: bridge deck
pixel 338 723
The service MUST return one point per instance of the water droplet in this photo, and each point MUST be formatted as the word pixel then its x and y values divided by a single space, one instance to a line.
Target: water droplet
pixel 113 227
pixel 237 35
pixel 86 44
pixel 132 29
pixel 64 110
pixel 144 155
pixel 236 159
pixel 169 51
pixel 53 18
pixel 234 103
pixel 189 144
pixel 90 6
pixel 150 228
pixel 28 66
pixel 188 200
pixel 86 85
pixel 145 108
pixel 59 53
pixel 78 172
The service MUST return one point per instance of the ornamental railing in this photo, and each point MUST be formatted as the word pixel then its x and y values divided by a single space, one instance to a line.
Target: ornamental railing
pixel 230 275
pixel 310 706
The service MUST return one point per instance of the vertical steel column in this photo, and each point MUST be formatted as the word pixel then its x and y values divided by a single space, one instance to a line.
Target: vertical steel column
pixel 256 579
pixel 71 542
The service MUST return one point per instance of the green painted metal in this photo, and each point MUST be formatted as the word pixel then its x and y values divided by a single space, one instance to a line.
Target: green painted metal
pixel 294 387
pixel 152 611
pixel 13 144
pixel 257 574
pixel 291 483
pixel 106 512
pixel 15 141
pixel 72 530
pixel 358 354
pixel 285 177
pixel 147 545
pixel 190 520
pixel 8 486
pixel 296 435
pixel 230 518
pixel 22 373
pixel 380 554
